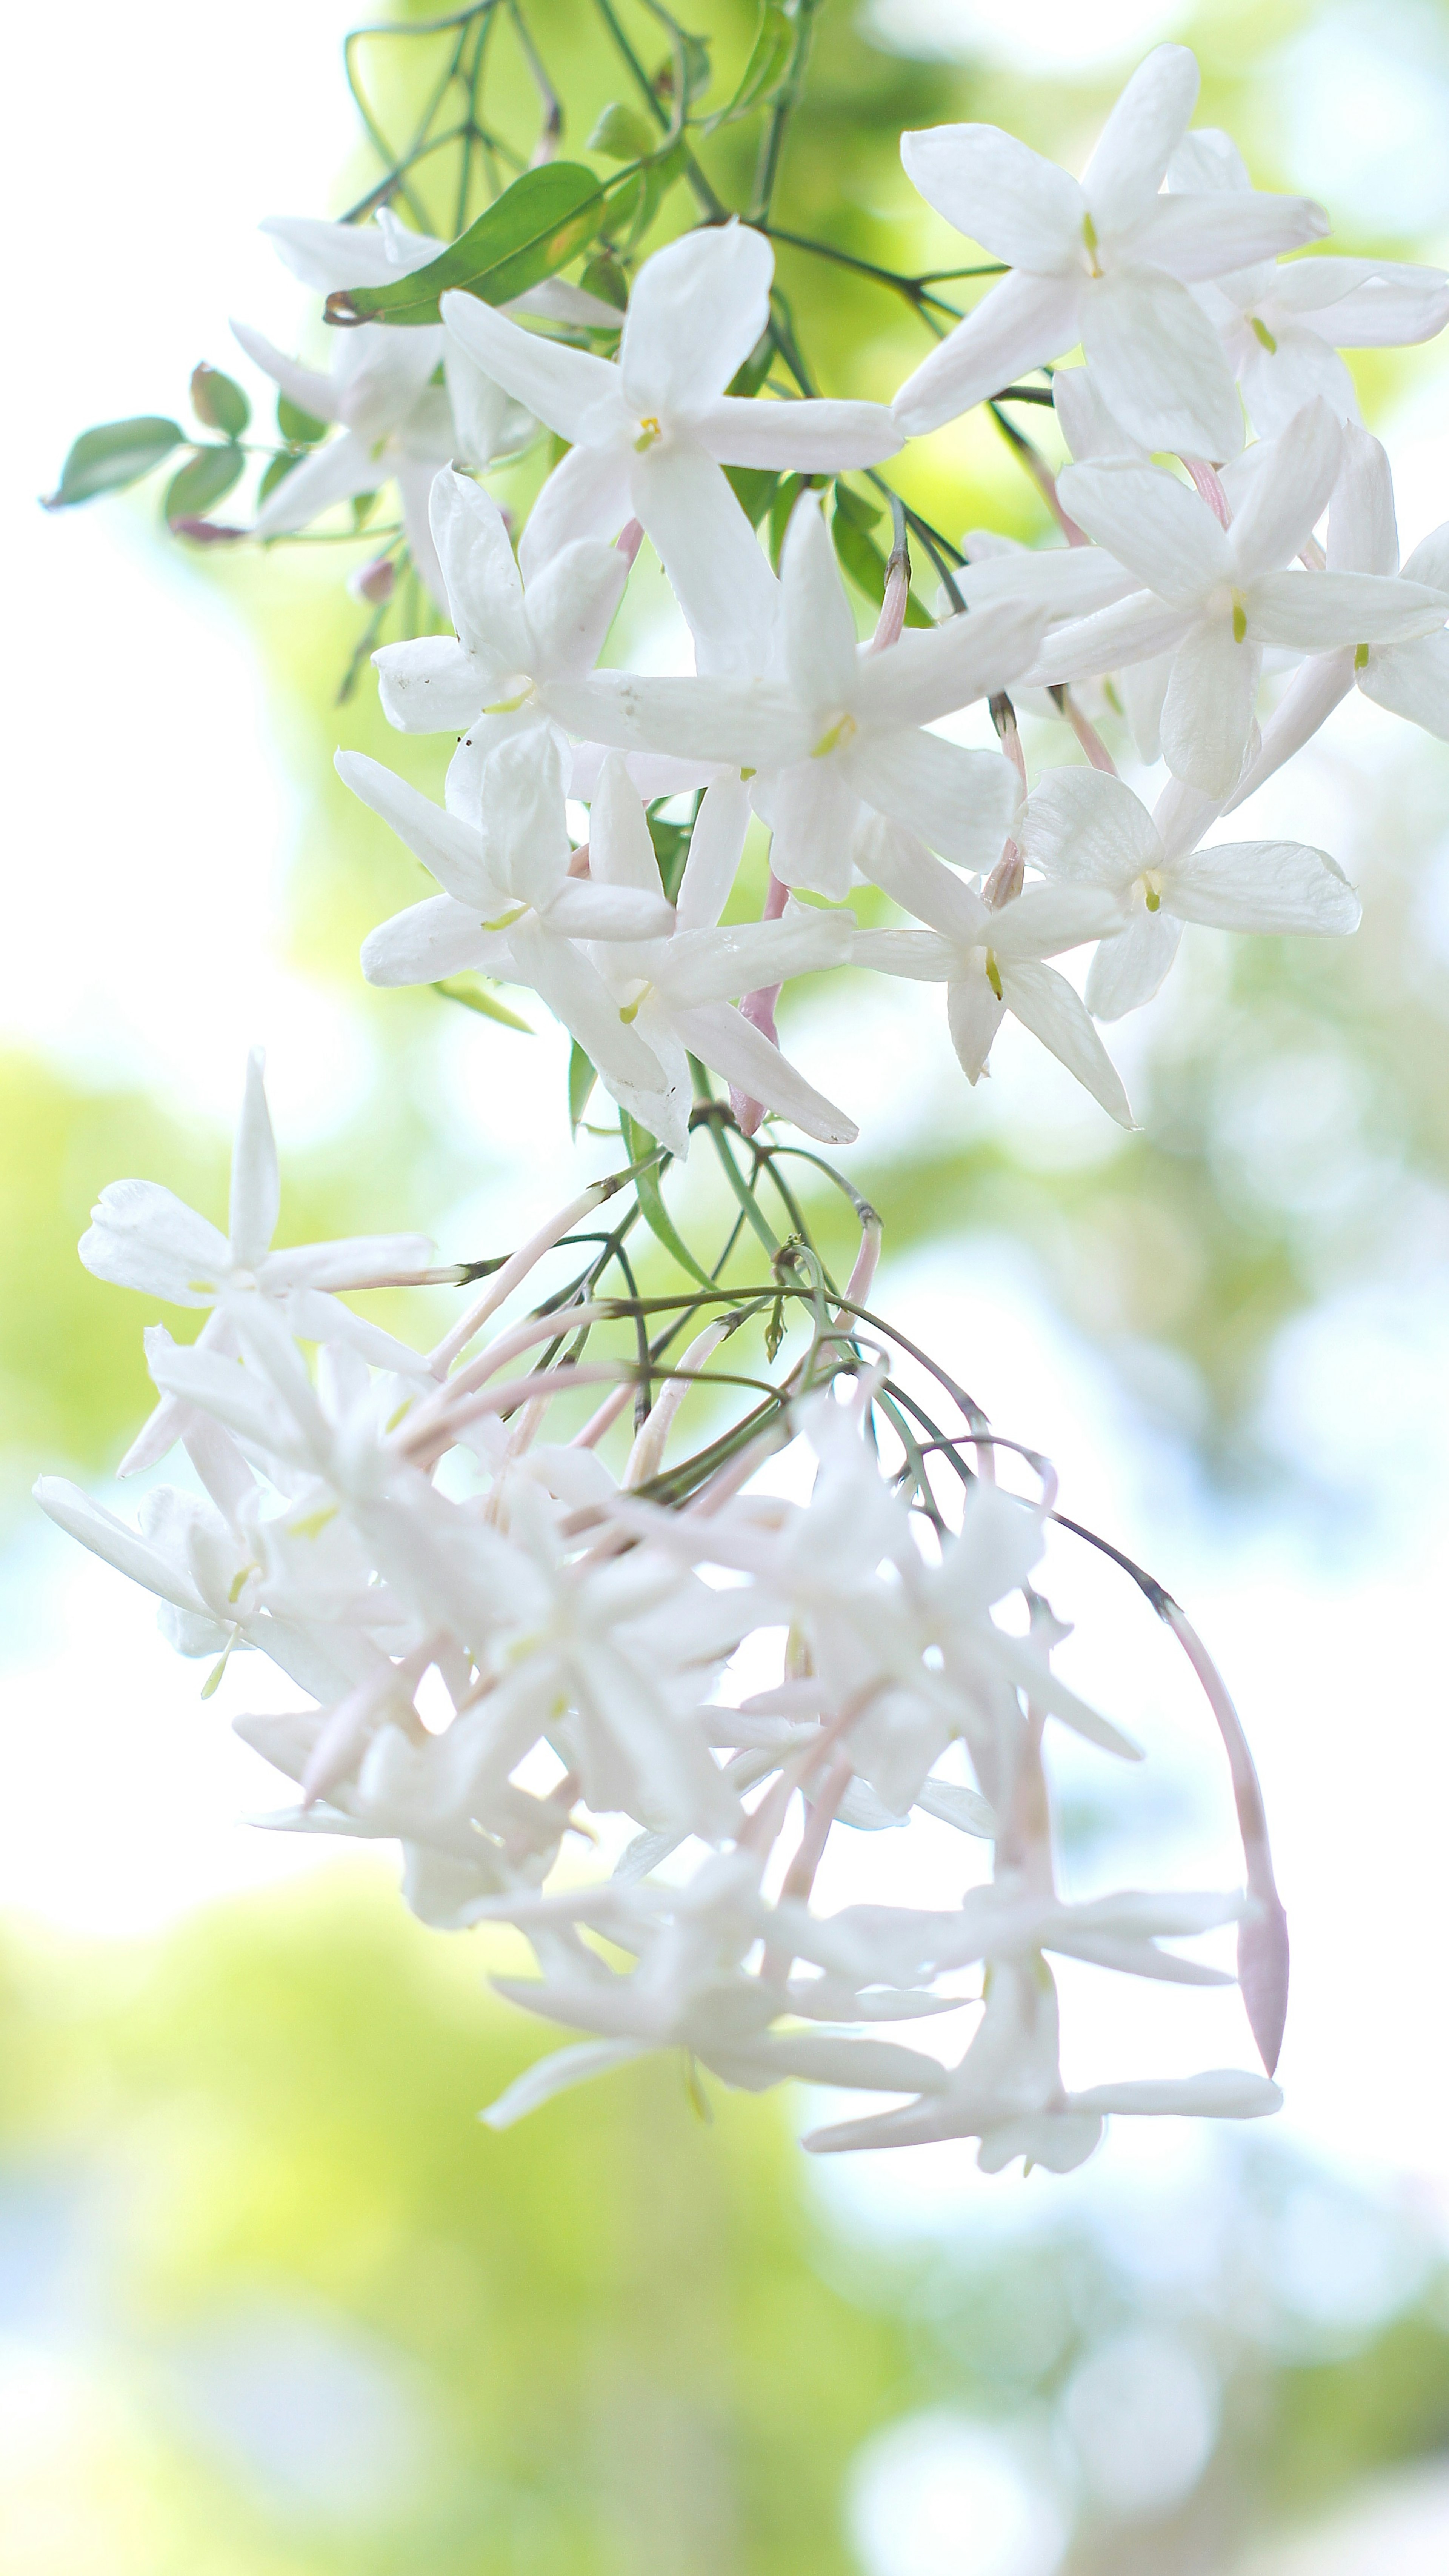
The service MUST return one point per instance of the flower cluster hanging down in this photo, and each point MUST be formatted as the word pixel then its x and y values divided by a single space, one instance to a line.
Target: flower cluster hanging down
pixel 386 1523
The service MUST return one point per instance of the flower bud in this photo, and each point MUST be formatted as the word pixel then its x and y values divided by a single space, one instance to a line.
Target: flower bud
pixel 375 581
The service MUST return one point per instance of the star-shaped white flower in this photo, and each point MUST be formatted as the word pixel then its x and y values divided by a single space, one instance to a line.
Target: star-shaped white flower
pixel 1081 828
pixel 649 434
pixel 831 730
pixel 992 962
pixel 1411 680
pixel 1283 323
pixel 1106 261
pixel 1213 597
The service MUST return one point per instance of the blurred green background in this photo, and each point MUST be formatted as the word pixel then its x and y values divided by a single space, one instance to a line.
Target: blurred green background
pixel 269 2299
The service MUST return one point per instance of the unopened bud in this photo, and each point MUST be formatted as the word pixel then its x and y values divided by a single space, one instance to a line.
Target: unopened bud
pixel 375 581
pixel 206 532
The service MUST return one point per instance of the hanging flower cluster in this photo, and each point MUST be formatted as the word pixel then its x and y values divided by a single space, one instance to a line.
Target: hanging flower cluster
pixel 500 1638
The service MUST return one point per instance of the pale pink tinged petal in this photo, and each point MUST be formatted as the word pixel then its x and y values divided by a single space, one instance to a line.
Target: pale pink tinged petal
pixel 586 495
pixel 332 473
pixel 428 685
pixel 1208 710
pixel 718 965
pixel 748 724
pixel 741 1055
pixel 1149 120
pixel 1155 525
pixel 1288 495
pixel 1138 629
pixel 932 673
pixel 1127 970
pixel 1317 610
pixel 567 388
pixel 814 813
pixel 920 956
pixel 1067 581
pixel 1224 2094
pixel 1363 533
pixel 571 605
pixel 105 1536
pixel 1086 828
pixel 1278 887
pixel 1412 680
pixel 1429 562
pixel 577 995
pixel 487 422
pixel 696 310
pixel 974 1013
pixel 1046 1004
pixel 142 1236
pixel 1018 325
pixel 485 590
pixel 256 1186
pixel 349 1259
pixel 1298 369
pixel 449 850
pixel 1048 919
pixel 1142 686
pixel 904 869
pixel 817 628
pixel 429 940
pixel 959 802
pixel 998 192
pixel 1201 237
pixel 1158 364
pixel 717 568
pixel 716 846
pixel 312 393
pixel 1397 308
pixel 620 850
pixel 798 437
pixel 608 912
pixel 1309 699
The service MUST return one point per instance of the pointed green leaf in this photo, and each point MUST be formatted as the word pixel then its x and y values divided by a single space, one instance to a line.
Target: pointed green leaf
pixel 754 487
pixel 477 996
pixel 622 134
pixel 108 458
pixel 297 426
pixel 204 479
pixel 651 1200
pixel 278 469
pixel 218 403
pixel 525 235
pixel 582 1079
pixel 769 60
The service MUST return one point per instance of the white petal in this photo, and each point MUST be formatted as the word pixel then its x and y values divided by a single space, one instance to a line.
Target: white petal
pixel 567 388
pixel 1158 364
pixel 256 1188
pixel 696 310
pixel 620 850
pixel 1157 526
pixel 328 256
pixel 1047 919
pixel 958 802
pixel 798 437
pixel 1067 581
pixel 933 673
pixel 701 966
pixel 814 813
pixel 741 1054
pixel 1429 562
pixel 717 568
pixel 974 1013
pixel 142 1236
pixel 1398 306
pixel 332 473
pixel 1317 610
pixel 1363 534
pixel 577 995
pixel 1288 495
pixel 1130 161
pixel 1412 680
pixel 1273 886
pixel 1045 1003
pixel 582 911
pixel 715 848
pixel 525 831
pixel 428 685
pixel 1225 2095
pixel 1208 711
pixel 312 393
pixel 1128 969
pixel 1299 368
pixel 430 940
pixel 100 1531
pixel 485 589
pixel 1138 629
pixel 558 2073
pixel 1309 699
pixel 817 628
pixel 586 496
pixel 1142 687
pixel 919 956
pixel 1196 237
pixel 571 605
pixel 487 421
pixel 1085 422
pixel 1082 825
pixel 998 192
pixel 904 868
pixel 1018 325
pixel 449 850
pixel 748 724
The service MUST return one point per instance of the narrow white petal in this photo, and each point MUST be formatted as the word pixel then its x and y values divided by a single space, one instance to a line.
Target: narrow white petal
pixel 1046 1004
pixel 332 472
pixel 696 310
pixel 741 1054
pixel 1082 825
pixel 1019 324
pixel 577 995
pixel 750 724
pixel 1151 522
pixel 1128 969
pixel 620 850
pixel 449 850
pixel 717 568
pixel 142 1236
pixel 1000 193
pixel 817 628
pixel 1139 629
pixel 1158 364
pixel 814 813
pixel 798 437
pixel 1208 711
pixel 1363 533
pixel 256 1186
pixel 430 940
pixel 1225 2095
pixel 974 1012
pixel 586 496
pixel 485 589
pixel 701 966
pixel 570 607
pixel 958 802
pixel 428 685
pixel 1288 495
pixel 903 867
pixel 1317 610
pixel 1195 237
pixel 715 848
pixel 1130 161
pixel 932 673
pixel 567 388
pixel 1307 702
pixel 1270 886
pixel 1412 680
pixel 1048 919
pixel 105 1536
pixel 558 2074
pixel 313 393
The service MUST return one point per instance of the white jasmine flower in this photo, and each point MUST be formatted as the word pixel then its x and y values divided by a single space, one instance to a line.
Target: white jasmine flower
pixel 1106 261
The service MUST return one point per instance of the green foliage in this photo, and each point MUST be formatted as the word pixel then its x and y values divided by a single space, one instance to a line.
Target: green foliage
pixel 111 458
pixel 218 403
pixel 206 478
pixel 621 134
pixel 582 1078
pixel 476 994
pixel 770 58
pixel 534 229
pixel 296 425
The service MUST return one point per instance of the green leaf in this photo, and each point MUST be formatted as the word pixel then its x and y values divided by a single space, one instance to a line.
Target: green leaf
pixel 622 134
pixel 754 487
pixel 477 996
pixel 204 479
pixel 748 379
pixel 297 426
pixel 582 1079
pixel 602 276
pixel 866 514
pixel 363 505
pixel 218 403
pixel 861 557
pixel 780 509
pixel 769 60
pixel 526 234
pixel 651 1200
pixel 671 849
pixel 109 458
pixel 276 472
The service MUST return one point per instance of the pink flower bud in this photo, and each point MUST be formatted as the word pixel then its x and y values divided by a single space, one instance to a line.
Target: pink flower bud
pixel 375 581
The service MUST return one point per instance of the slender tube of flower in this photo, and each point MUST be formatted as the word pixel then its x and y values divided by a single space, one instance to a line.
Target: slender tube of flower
pixel 1263 1936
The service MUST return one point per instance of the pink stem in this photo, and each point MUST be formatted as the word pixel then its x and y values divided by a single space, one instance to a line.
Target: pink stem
pixel 504 1281
pixel 1086 732
pixel 1263 1939
pixel 1209 484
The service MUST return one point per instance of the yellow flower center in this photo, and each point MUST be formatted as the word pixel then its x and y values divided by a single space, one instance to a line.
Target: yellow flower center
pixel 519 686
pixel 1240 618
pixel 834 735
pixel 1089 236
pixel 1151 884
pixel 993 974
pixel 649 433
